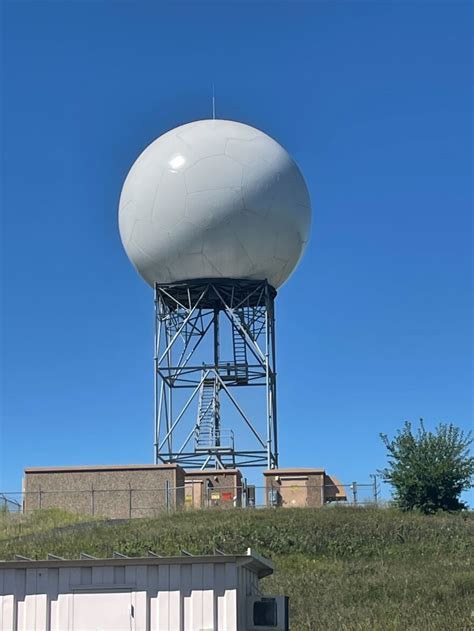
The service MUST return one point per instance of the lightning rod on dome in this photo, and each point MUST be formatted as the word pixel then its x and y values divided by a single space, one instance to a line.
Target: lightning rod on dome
pixel 213 103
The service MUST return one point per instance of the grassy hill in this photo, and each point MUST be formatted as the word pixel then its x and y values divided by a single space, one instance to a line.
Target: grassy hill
pixel 343 568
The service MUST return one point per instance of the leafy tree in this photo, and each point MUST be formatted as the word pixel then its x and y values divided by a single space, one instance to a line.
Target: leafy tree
pixel 429 470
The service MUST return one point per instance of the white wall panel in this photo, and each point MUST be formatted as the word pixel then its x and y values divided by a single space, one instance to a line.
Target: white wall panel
pixel 7 598
pixel 186 595
pixel 208 599
pixel 107 611
pixel 175 612
pixel 162 600
pixel 196 596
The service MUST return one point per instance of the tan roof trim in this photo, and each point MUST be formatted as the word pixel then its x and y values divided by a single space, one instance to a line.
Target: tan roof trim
pixel 212 472
pixel 101 467
pixel 293 471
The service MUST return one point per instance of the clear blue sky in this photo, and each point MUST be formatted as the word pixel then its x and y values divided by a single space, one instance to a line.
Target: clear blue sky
pixel 373 101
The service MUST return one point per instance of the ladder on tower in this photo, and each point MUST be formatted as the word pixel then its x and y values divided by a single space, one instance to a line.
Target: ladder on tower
pixel 240 353
pixel 207 424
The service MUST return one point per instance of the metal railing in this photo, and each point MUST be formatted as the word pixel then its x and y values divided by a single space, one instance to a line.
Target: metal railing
pixel 131 502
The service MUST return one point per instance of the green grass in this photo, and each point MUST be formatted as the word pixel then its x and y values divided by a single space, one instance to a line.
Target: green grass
pixel 16 525
pixel 343 568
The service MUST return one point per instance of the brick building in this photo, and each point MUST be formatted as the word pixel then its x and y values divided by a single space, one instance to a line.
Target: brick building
pixel 213 487
pixel 144 490
pixel 297 487
pixel 109 491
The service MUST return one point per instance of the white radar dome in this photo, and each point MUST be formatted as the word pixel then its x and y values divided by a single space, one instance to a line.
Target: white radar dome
pixel 214 199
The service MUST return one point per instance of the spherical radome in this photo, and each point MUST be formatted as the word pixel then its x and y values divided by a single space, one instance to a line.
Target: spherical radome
pixel 214 199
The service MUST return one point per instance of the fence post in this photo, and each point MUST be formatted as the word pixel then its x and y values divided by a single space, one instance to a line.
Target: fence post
pixel 129 500
pixel 208 493
pixel 375 490
pixel 40 498
pixel 354 493
pixel 92 500
pixel 167 495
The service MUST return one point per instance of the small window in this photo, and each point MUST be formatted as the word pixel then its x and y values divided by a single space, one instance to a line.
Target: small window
pixel 265 613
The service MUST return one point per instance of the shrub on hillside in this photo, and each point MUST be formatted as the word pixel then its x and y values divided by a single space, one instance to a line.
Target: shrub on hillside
pixel 429 470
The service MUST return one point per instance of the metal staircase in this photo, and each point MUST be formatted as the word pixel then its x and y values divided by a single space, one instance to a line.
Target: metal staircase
pixel 207 425
pixel 240 353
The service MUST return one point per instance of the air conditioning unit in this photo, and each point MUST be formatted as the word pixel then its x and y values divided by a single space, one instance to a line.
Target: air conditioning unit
pixel 267 613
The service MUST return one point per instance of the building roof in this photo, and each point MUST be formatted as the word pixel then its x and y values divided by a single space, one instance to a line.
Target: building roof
pixel 294 471
pixel 209 472
pixel 252 561
pixel 101 467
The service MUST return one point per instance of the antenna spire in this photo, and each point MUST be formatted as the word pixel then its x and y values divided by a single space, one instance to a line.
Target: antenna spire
pixel 213 103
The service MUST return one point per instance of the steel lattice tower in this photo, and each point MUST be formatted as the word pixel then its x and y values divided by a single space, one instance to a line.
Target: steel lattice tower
pixel 193 321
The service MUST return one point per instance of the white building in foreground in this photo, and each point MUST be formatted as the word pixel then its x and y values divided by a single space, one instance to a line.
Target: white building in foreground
pixel 185 593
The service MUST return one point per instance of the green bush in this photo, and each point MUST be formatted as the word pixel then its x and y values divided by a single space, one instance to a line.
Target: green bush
pixel 429 470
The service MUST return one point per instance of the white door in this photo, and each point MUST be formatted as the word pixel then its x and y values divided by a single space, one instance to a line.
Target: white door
pixel 103 611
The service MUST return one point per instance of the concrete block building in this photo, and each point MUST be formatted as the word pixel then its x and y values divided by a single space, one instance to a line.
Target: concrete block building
pixel 126 491
pixel 298 487
pixel 213 487
pixel 107 491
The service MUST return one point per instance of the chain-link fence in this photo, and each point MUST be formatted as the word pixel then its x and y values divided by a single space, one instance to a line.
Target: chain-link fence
pixel 148 502
pixel 11 503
